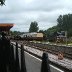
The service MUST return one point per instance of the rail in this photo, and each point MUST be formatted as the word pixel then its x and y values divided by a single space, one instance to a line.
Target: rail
pixel 55 49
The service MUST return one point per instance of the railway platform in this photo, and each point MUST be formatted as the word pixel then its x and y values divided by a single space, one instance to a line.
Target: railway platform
pixel 65 62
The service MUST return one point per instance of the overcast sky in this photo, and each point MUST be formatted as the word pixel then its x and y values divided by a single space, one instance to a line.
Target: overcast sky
pixel 23 12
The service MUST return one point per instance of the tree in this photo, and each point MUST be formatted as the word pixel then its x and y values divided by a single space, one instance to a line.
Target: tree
pixel 65 23
pixel 33 27
pixel 59 23
pixel 51 33
pixel 2 2
pixel 41 31
pixel 15 33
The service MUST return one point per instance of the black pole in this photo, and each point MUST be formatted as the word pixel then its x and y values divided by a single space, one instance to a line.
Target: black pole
pixel 17 66
pixel 45 63
pixel 23 66
pixel 12 60
pixel 4 52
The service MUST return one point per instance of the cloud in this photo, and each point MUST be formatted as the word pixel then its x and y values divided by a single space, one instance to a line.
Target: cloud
pixel 23 12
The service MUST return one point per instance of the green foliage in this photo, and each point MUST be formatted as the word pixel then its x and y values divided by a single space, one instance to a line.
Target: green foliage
pixel 59 23
pixel 33 27
pixel 2 2
pixel 65 23
pixel 15 33
pixel 41 31
pixel 51 33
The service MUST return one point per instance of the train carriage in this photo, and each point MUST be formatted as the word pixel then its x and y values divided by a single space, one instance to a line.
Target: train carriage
pixel 32 36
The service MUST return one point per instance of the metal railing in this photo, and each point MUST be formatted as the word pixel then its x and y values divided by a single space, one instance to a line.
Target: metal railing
pixel 46 58
pixel 9 61
pixel 44 65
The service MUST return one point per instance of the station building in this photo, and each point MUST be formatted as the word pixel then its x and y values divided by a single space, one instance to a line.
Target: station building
pixel 6 27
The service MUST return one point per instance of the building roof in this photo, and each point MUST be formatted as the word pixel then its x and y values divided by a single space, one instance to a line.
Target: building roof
pixel 6 26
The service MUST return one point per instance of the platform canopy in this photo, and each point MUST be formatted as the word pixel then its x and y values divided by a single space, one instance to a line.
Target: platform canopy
pixel 6 26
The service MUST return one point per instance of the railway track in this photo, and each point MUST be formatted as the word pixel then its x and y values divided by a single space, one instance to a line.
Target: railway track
pixel 47 48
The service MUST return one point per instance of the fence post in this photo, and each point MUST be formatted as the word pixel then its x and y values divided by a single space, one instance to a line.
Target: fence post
pixel 12 60
pixel 17 66
pixel 45 63
pixel 23 66
pixel 4 53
